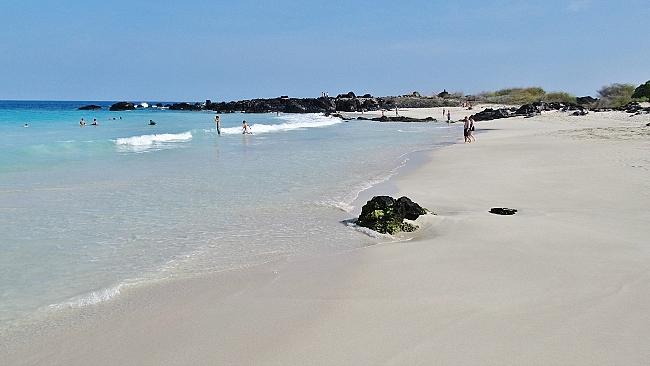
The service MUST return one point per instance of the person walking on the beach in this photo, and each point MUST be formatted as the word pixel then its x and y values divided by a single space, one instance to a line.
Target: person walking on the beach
pixel 218 121
pixel 471 129
pixel 448 116
pixel 246 129
pixel 466 130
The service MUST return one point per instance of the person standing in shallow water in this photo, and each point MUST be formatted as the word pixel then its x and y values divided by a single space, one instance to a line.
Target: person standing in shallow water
pixel 471 129
pixel 218 121
pixel 466 129
pixel 246 129
pixel 448 116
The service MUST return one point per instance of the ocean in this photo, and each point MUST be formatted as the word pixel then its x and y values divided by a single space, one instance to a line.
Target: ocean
pixel 86 211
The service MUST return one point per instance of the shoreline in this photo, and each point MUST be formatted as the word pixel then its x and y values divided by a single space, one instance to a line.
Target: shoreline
pixel 562 281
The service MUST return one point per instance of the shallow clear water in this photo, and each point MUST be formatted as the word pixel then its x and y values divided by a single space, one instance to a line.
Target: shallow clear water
pixel 85 211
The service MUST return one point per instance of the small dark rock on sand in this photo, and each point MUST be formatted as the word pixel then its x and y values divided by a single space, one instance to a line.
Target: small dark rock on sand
pixel 503 211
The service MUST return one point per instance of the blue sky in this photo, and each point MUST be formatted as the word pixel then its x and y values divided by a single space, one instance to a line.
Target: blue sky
pixel 240 49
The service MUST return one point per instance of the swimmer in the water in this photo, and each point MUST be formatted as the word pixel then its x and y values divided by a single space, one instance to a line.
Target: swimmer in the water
pixel 246 129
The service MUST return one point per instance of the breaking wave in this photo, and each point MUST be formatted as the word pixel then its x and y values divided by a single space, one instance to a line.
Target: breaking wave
pixel 147 142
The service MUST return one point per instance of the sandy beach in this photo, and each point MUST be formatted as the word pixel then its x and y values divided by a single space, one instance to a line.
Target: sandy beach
pixel 566 280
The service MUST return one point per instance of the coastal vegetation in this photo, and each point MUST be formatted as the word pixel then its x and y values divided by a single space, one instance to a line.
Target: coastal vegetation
pixel 642 92
pixel 520 96
pixel 516 96
pixel 610 97
pixel 559 97
pixel 615 95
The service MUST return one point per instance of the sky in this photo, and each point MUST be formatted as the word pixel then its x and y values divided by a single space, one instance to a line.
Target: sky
pixel 222 50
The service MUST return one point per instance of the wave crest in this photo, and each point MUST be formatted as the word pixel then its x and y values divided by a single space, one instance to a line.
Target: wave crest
pixel 146 142
pixel 288 123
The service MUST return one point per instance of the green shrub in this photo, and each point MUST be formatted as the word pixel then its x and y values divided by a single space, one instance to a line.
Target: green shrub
pixel 615 95
pixel 513 95
pixel 559 97
pixel 642 91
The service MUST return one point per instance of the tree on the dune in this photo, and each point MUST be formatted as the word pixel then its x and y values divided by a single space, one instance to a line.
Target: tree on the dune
pixel 642 92
pixel 615 95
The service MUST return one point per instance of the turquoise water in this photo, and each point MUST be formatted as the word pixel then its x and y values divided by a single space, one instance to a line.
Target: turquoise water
pixel 86 211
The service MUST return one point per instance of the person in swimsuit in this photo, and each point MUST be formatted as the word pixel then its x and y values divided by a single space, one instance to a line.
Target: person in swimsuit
pixel 471 129
pixel 246 129
pixel 466 129
pixel 218 121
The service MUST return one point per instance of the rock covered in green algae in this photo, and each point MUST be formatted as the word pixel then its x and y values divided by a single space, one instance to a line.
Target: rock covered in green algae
pixel 386 215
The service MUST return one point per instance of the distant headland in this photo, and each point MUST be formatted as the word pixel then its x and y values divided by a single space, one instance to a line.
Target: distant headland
pixel 348 102
pixel 528 101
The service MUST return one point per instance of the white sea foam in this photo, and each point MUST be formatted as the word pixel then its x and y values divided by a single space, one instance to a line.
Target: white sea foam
pixel 342 206
pixel 288 123
pixel 371 233
pixel 148 142
pixel 91 299
pixel 374 234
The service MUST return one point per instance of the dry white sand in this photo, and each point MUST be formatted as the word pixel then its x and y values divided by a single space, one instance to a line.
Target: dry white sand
pixel 564 281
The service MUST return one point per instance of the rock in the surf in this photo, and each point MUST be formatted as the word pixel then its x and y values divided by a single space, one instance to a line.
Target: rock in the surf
pixel 386 215
pixel 91 107
pixel 122 106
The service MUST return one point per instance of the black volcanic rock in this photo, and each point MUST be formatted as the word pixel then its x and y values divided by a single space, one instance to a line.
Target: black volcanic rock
pixel 529 109
pixel 369 104
pixel 631 107
pixel 348 104
pixel 349 95
pixel 537 108
pixel 503 211
pixel 386 215
pixel 91 107
pixel 186 107
pixel 489 114
pixel 586 101
pixel 122 106
pixel 293 106
pixel 282 104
